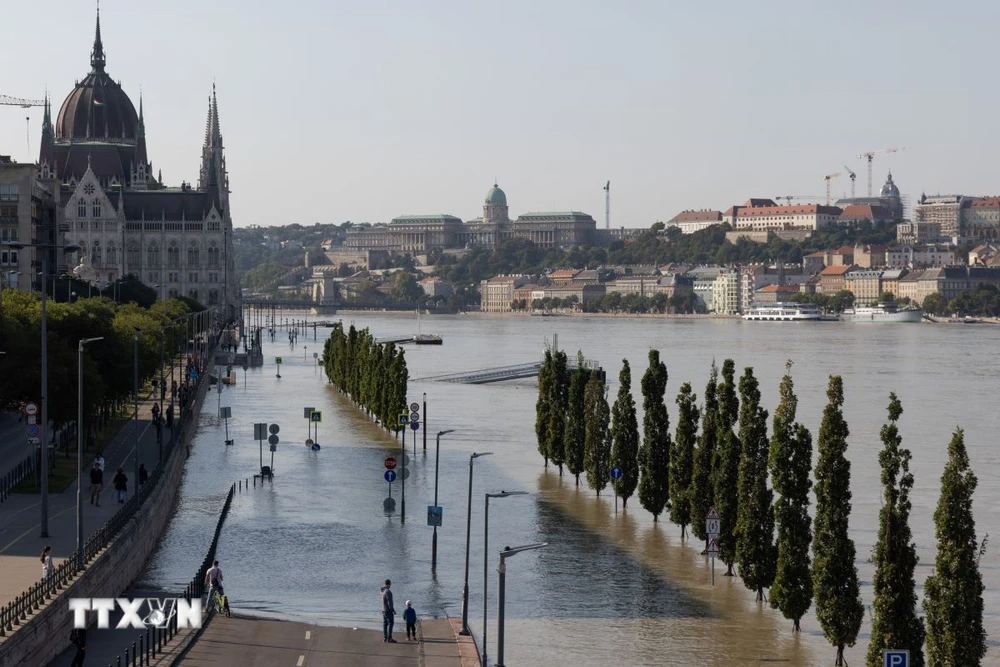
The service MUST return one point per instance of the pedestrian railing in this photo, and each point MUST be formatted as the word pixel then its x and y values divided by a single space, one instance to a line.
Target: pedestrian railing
pixel 14 476
pixel 19 610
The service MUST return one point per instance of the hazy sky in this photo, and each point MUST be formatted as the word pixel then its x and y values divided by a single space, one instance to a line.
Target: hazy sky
pixel 365 110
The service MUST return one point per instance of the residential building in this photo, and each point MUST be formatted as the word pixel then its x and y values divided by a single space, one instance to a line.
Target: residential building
pixel 957 279
pixel 908 286
pixel 675 284
pixel 981 220
pixel 690 222
pixel 920 256
pixel 832 279
pixel 986 254
pixel 864 284
pixel 909 232
pixel 870 256
pixel 774 293
pixel 581 292
pixel 562 275
pixel 814 262
pixel 497 293
pixel 28 213
pixel 797 216
pixel 891 278
pixel 726 293
pixel 943 210
pixel 874 213
pixel 436 286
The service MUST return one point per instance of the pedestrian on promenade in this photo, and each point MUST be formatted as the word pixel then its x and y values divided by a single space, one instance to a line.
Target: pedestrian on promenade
pixel 143 475
pixel 96 484
pixel 213 580
pixel 410 618
pixel 156 412
pixel 121 485
pixel 99 461
pixel 170 416
pixel 47 567
pixel 388 613
pixel 78 637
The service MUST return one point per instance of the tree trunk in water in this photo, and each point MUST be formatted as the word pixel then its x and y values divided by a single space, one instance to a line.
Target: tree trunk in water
pixel 760 595
pixel 729 570
pixel 578 479
pixel 795 626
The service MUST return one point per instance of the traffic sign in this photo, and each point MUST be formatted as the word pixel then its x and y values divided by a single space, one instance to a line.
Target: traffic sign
pixel 315 446
pixel 31 430
pixel 896 658
pixel 277 360
pixel 405 474
pixel 225 412
pixel 273 439
pixel 434 515
pixel 274 447
pixel 307 413
pixel 406 459
pixel 315 355
pixel 34 441
pixel 389 504
pixel 390 476
pixel 415 426
pixel 414 416
pixel 616 472
pixel 713 548
pixel 712 514
pixel 403 420
pixel 31 408
pixel 390 463
pixel 317 416
pixel 245 368
pixel 273 429
pixel 32 419
pixel 414 407
pixel 713 527
pixel 259 431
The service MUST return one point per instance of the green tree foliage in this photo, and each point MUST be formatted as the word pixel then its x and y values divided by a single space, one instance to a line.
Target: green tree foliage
pixel 682 457
pixel 558 400
pixel 542 408
pixel 597 442
pixel 954 593
pixel 625 436
pixel 835 577
pixel 372 374
pixel 654 456
pixel 935 304
pixel 702 479
pixel 756 553
pixel 984 300
pixel 726 464
pixel 575 431
pixel 791 464
pixel 895 624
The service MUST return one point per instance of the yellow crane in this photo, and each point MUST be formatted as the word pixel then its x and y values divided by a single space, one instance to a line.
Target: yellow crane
pixel 828 178
pixel 868 155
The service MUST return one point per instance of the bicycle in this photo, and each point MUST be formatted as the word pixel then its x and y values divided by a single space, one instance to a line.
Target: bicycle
pixel 219 601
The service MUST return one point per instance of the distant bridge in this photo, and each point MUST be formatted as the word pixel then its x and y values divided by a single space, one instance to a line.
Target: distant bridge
pixel 519 371
pixel 284 303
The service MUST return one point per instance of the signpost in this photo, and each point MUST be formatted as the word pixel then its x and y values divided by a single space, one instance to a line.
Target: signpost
pixel 315 417
pixel 896 658
pixel 245 369
pixel 415 423
pixel 713 524
pixel 389 505
pixel 277 361
pixel 260 435
pixel 225 413
pixel 390 463
pixel 616 474
pixel 307 414
pixel 435 514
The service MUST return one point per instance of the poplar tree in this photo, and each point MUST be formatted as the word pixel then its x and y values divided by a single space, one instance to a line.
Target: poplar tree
pixel 702 479
pixel 558 400
pixel 682 458
pixel 542 406
pixel 654 457
pixel 575 431
pixel 954 593
pixel 625 437
pixel 726 465
pixel 834 575
pixel 597 443
pixel 756 553
pixel 895 624
pixel 791 464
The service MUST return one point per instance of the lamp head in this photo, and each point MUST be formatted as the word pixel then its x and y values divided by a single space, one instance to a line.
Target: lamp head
pixel 72 247
pixel 14 245
pixel 445 432
pixel 476 455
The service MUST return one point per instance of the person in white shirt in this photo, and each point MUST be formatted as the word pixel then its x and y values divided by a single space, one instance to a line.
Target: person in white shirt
pixel 47 567
pixel 99 462
pixel 213 580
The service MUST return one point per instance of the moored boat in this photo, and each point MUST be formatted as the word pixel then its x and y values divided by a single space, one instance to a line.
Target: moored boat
pixel 784 312
pixel 882 312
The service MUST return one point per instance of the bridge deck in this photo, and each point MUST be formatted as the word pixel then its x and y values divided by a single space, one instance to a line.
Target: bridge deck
pixel 499 374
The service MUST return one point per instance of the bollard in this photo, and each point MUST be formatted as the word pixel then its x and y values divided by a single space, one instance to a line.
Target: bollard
pixel 135 654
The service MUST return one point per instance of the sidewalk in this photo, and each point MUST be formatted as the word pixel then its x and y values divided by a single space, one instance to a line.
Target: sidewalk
pixel 20 520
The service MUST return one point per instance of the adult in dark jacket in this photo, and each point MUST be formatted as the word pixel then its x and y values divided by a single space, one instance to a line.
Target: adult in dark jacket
pixel 121 485
pixel 96 484
pixel 388 613
pixel 78 637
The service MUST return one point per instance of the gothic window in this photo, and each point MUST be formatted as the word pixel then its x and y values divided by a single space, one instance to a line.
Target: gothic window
pixel 82 252
pixel 112 254
pixel 173 255
pixel 213 297
pixel 193 255
pixel 193 294
pixel 97 208
pixel 153 255
pixel 88 189
pixel 213 256
pixel 95 254
pixel 132 256
pixel 81 208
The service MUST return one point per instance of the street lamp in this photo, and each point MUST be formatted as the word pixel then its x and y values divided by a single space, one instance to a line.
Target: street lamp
pixel 468 526
pixel 437 459
pixel 502 570
pixel 135 386
pixel 486 558
pixel 44 477
pixel 79 451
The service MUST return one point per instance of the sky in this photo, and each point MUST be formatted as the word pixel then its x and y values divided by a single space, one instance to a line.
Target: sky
pixel 334 111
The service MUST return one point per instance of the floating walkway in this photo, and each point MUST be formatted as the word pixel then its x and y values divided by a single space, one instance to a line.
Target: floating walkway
pixel 516 372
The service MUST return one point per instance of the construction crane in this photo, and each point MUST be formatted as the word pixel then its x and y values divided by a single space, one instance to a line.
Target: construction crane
pixel 8 101
pixel 828 178
pixel 788 198
pixel 868 155
pixel 853 176
pixel 607 205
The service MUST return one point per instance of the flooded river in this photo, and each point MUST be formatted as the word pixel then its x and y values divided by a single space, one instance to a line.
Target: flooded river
pixel 609 590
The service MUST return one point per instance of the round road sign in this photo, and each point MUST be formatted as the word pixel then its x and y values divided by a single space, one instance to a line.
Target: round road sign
pixel 273 439
pixel 390 463
pixel 414 407
pixel 31 430
pixel 616 472
pixel 406 474
pixel 273 429
pixel 390 476
pixel 315 447
pixel 31 408
pixel 414 416
pixel 389 504
pixel 415 426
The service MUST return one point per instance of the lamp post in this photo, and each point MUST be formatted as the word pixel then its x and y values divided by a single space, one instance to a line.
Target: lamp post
pixel 486 558
pixel 79 451
pixel 437 459
pixel 502 570
pixel 135 428
pixel 468 526
pixel 44 477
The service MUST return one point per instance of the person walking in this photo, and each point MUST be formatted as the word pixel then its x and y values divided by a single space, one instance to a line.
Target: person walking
pixel 78 637
pixel 121 485
pixel 143 475
pixel 388 613
pixel 99 461
pixel 410 618
pixel 170 416
pixel 48 569
pixel 96 484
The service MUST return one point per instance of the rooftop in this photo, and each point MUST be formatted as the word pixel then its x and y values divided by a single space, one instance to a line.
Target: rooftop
pixel 705 215
pixel 836 270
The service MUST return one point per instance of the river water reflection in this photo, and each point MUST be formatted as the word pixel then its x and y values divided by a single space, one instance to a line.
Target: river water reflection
pixel 608 590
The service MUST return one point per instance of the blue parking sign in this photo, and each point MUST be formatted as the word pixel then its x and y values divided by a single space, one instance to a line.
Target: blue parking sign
pixel 896 658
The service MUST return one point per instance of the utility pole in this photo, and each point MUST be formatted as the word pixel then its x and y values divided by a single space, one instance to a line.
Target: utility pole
pixel 607 205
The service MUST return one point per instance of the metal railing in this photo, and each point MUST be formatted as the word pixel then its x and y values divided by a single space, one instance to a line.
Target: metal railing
pixel 15 475
pixel 17 611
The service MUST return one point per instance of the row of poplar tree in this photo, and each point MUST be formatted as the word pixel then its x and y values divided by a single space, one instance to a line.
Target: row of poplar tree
pixel 372 374
pixel 766 530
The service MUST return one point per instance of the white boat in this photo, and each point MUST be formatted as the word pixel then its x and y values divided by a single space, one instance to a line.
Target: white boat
pixel 882 312
pixel 784 312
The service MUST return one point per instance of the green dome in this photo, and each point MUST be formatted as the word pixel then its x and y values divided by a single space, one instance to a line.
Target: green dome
pixel 496 196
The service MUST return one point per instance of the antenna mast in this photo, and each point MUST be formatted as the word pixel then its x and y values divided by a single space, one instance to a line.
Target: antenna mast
pixel 607 205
